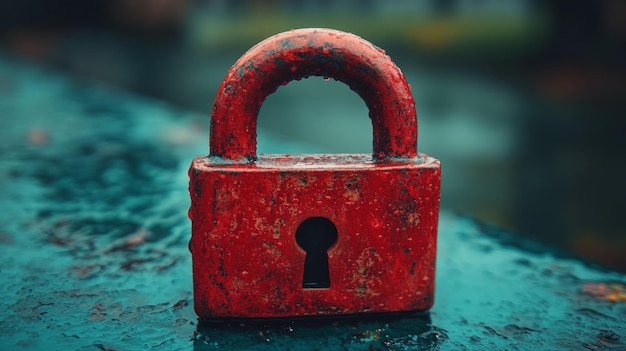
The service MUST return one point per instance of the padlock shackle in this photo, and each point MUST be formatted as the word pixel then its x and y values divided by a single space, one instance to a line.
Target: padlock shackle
pixel 301 53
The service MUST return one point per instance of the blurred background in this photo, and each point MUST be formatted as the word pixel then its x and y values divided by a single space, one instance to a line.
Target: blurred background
pixel 522 101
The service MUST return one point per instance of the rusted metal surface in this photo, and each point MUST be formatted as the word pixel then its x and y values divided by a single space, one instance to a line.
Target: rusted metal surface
pixel 246 209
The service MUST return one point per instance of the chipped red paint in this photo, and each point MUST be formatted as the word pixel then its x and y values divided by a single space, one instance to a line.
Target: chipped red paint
pixel 301 53
pixel 246 209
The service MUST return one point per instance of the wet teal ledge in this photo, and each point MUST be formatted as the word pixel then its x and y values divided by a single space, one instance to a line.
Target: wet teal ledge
pixel 94 232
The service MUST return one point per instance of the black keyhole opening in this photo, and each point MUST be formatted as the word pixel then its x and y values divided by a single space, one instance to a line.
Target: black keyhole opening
pixel 316 235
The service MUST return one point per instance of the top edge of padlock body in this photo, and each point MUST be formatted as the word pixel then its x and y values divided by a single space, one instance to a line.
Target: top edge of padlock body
pixel 319 162
pixel 300 53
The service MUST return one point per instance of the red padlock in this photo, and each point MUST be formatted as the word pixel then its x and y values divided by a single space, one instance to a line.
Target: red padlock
pixel 309 235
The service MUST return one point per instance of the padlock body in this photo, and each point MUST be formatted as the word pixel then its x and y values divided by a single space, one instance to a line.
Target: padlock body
pixel 247 263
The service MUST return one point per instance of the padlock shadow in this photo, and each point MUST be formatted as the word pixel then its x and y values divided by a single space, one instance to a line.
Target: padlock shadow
pixel 356 332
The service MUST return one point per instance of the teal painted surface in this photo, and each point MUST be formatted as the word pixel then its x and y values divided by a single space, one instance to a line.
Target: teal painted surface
pixel 94 232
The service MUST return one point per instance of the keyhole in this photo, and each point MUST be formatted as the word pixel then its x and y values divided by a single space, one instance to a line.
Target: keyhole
pixel 316 235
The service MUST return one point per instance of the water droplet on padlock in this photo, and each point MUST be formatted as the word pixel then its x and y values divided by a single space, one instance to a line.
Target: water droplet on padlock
pixel 375 223
pixel 293 68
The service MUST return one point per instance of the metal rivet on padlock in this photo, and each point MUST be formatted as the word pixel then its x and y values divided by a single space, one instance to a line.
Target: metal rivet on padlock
pixel 309 235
